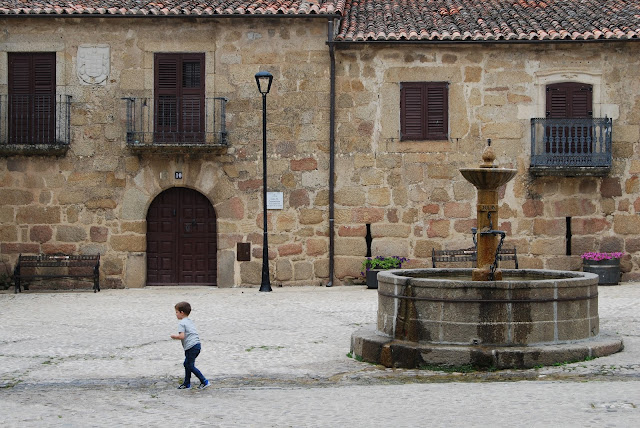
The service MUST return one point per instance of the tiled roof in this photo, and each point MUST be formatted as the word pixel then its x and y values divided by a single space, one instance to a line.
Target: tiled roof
pixel 167 7
pixel 489 20
pixel 392 20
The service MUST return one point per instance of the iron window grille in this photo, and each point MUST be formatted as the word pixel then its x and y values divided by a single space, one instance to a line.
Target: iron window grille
pixel 35 124
pixel 176 121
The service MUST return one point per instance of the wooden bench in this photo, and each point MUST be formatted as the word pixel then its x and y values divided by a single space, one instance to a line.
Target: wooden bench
pixel 470 255
pixel 50 266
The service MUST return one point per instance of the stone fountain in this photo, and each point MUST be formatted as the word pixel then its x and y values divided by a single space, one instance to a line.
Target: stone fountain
pixel 485 317
pixel 487 179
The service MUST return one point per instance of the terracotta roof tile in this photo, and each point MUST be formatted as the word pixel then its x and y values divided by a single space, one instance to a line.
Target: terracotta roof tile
pixel 488 20
pixel 167 7
pixel 393 20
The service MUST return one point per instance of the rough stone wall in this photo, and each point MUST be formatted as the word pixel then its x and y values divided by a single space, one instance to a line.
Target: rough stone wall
pixel 412 193
pixel 96 197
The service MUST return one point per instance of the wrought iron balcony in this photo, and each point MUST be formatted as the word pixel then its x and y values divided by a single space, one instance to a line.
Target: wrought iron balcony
pixel 571 147
pixel 35 124
pixel 173 124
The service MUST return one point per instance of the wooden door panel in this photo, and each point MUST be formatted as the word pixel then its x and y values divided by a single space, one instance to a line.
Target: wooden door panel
pixel 165 265
pixel 186 265
pixel 160 238
pixel 200 266
pixel 165 245
pixel 167 212
pixel 181 239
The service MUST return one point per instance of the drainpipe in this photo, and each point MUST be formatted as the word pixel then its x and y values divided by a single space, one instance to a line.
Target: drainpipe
pixel 332 137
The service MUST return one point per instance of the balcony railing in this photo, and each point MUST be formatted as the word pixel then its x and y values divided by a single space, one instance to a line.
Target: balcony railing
pixel 571 146
pixel 172 123
pixel 35 124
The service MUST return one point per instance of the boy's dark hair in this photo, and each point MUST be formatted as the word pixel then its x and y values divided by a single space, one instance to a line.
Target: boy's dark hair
pixel 183 307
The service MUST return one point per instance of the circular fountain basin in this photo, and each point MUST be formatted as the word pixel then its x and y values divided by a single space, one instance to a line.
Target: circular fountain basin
pixel 441 317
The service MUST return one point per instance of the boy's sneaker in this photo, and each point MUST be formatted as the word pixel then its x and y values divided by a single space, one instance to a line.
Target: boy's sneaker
pixel 183 386
pixel 204 385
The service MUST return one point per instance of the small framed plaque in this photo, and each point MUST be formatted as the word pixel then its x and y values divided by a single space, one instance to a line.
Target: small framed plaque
pixel 275 200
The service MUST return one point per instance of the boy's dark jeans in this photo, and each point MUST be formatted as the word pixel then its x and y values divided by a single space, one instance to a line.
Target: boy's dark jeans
pixel 190 356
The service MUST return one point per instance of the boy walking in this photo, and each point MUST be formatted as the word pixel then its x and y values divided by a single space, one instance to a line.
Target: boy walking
pixel 188 334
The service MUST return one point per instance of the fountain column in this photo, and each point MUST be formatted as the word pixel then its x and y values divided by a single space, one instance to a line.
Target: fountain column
pixel 487 179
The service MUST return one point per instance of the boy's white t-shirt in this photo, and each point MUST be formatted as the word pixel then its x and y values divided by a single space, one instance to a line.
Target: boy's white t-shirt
pixel 191 337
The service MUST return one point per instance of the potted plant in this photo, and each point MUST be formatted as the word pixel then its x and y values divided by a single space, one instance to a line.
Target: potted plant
pixel 605 265
pixel 372 265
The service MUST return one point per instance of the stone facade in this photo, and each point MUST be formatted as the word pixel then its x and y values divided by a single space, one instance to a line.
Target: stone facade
pixel 96 197
pixel 494 91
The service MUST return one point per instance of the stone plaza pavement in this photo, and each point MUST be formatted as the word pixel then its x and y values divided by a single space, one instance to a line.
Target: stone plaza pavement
pixel 279 359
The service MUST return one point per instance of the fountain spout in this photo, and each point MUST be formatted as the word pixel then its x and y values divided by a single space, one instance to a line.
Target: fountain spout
pixel 492 232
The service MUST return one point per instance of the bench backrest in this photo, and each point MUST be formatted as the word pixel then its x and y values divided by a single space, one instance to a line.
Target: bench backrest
pixel 58 260
pixel 469 255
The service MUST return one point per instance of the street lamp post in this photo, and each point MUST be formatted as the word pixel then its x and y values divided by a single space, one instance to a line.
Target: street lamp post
pixel 263 80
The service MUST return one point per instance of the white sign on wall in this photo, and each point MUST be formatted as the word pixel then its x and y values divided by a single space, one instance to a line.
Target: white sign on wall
pixel 275 200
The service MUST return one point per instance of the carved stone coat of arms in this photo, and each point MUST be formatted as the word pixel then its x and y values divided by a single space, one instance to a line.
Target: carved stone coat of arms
pixel 93 64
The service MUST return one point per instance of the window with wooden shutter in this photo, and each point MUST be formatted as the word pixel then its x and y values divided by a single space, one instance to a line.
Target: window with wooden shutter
pixel 569 100
pixel 31 92
pixel 179 98
pixel 424 111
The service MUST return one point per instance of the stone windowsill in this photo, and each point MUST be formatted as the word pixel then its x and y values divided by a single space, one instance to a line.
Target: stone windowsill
pixel 33 149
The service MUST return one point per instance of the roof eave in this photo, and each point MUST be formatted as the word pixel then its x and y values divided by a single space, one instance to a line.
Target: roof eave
pixel 174 15
pixel 475 42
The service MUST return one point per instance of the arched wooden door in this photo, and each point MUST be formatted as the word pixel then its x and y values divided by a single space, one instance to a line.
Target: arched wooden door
pixel 181 239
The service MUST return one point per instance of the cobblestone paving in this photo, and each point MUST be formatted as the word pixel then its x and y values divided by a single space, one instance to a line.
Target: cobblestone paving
pixel 279 359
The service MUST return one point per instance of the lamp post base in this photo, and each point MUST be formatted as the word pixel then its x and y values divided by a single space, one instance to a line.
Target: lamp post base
pixel 265 287
pixel 266 283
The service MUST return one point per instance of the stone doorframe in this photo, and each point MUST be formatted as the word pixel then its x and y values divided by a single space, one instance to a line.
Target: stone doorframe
pixel 135 205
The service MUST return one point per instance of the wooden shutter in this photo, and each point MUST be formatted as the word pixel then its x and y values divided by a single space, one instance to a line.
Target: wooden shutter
pixel 424 111
pixel 569 100
pixel 412 111
pixel 32 88
pixel 20 74
pixel 581 101
pixel 192 87
pixel 179 97
pixel 44 71
pixel 437 111
pixel 167 92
